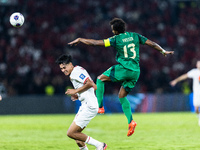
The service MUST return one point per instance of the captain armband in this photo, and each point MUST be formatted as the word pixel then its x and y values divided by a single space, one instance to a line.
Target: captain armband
pixel 107 42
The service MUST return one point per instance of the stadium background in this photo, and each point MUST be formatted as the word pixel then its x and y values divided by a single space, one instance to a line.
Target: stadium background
pixel 28 54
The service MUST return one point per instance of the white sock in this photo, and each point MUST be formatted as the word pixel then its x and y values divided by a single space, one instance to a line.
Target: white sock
pixel 83 148
pixel 92 141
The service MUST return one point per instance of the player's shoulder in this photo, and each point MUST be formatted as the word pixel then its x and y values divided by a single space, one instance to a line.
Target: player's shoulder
pixel 192 71
pixel 78 69
pixel 129 32
pixel 132 34
pixel 112 37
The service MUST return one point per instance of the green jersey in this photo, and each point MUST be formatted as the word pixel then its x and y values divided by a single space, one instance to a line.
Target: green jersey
pixel 127 45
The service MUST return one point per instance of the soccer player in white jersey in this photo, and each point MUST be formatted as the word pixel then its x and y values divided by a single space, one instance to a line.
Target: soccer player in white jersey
pixel 195 75
pixel 83 90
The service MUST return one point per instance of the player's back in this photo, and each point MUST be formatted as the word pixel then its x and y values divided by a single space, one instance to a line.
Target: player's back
pixel 127 45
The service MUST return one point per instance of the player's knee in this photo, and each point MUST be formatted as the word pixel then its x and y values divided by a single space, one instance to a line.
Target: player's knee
pixel 121 95
pixel 70 134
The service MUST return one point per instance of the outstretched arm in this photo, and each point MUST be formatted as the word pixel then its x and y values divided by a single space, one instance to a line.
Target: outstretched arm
pixel 87 42
pixel 180 78
pixel 158 47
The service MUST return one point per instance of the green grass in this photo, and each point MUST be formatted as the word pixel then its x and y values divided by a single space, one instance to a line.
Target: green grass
pixel 155 131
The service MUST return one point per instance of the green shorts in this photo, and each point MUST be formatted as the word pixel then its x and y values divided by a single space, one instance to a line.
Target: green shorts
pixel 118 73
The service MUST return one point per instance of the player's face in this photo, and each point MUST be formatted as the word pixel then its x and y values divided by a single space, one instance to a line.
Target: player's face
pixel 198 64
pixel 66 68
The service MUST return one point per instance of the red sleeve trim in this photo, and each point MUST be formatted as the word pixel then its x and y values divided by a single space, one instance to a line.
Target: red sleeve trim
pixel 86 80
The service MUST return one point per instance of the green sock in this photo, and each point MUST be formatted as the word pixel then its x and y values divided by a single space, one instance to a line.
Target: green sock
pixel 100 92
pixel 126 108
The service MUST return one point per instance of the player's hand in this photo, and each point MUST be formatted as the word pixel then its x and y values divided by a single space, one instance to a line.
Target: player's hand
pixel 75 42
pixel 173 83
pixel 165 53
pixel 74 97
pixel 71 92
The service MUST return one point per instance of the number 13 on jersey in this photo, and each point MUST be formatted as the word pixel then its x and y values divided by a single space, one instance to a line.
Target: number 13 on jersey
pixel 130 47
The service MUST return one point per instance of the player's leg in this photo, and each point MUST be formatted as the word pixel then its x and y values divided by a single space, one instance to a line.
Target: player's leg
pixel 127 110
pixel 196 103
pixel 83 117
pixel 100 88
pixel 129 79
pixel 125 104
pixel 196 109
pixel 198 113
pixel 75 132
pixel 81 145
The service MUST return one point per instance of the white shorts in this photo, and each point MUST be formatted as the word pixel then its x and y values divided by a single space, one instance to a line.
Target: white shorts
pixel 196 99
pixel 84 115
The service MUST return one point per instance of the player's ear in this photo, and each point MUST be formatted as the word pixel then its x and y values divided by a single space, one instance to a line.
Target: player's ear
pixel 71 64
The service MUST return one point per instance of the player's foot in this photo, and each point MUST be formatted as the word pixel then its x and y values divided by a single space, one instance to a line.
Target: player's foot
pixel 101 110
pixel 131 128
pixel 103 146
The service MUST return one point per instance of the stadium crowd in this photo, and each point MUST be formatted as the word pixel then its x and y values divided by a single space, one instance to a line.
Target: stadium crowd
pixel 28 54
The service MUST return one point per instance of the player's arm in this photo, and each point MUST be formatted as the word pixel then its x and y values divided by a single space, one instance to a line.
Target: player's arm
pixel 180 78
pixel 88 84
pixel 74 97
pixel 158 47
pixel 87 42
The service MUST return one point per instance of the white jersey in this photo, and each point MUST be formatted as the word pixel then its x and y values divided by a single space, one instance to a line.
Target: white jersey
pixel 78 77
pixel 195 75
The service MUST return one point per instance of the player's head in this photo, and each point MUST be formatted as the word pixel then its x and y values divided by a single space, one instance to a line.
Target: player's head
pixel 65 63
pixel 198 64
pixel 118 26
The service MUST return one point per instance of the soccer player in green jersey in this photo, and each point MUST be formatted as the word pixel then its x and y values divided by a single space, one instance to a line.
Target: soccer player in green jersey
pixel 127 70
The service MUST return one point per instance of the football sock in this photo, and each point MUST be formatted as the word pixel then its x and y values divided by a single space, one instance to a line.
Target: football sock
pixel 83 148
pixel 100 92
pixel 126 108
pixel 92 141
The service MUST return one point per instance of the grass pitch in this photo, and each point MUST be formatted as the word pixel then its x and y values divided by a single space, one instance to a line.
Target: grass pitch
pixel 154 131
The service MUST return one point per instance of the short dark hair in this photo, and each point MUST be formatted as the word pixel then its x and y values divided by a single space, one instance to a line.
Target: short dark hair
pixel 118 25
pixel 64 59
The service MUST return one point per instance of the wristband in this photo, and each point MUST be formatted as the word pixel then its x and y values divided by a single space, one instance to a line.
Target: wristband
pixel 163 51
